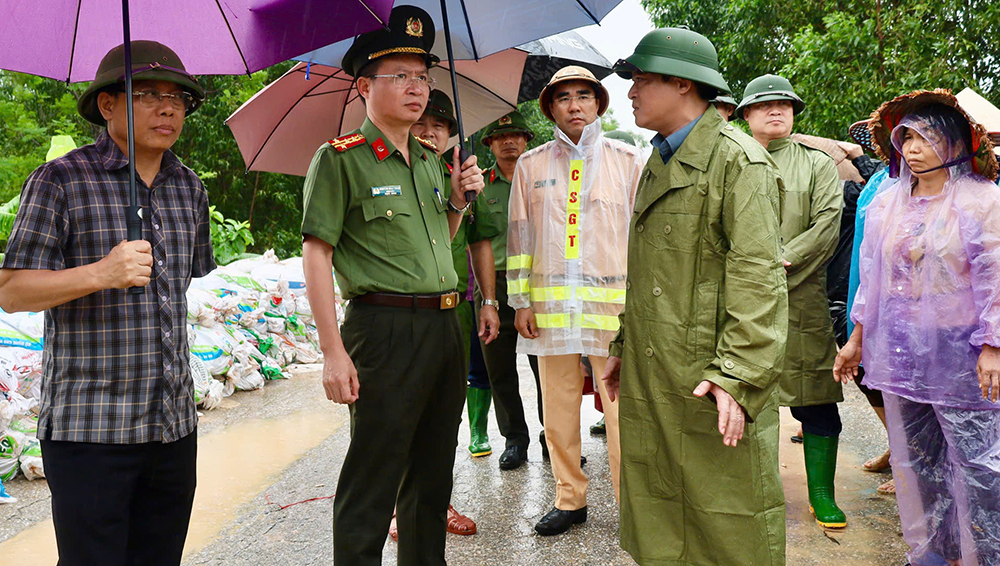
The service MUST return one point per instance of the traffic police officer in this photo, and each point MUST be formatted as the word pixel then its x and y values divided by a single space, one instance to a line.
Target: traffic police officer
pixel 702 337
pixel 378 209
pixel 810 229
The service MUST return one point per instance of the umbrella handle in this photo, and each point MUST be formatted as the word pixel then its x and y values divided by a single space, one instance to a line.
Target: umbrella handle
pixel 133 223
pixel 463 155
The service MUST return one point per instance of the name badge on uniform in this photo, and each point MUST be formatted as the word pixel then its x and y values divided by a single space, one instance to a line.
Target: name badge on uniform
pixel 388 191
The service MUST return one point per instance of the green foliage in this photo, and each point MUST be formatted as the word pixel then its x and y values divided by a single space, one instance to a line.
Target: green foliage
pixel 7 213
pixel 846 57
pixel 230 238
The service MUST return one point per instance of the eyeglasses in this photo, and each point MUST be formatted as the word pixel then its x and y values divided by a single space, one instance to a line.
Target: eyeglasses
pixel 403 79
pixel 582 99
pixel 153 98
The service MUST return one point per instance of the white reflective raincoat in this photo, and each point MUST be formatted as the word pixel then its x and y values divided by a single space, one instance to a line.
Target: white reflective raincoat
pixel 567 240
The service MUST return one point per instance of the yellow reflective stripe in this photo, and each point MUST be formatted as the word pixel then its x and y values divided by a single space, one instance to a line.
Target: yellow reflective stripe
pixel 589 321
pixel 522 261
pixel 542 294
pixel 573 209
pixel 592 294
pixel 600 322
pixel 601 295
pixel 518 286
pixel 558 320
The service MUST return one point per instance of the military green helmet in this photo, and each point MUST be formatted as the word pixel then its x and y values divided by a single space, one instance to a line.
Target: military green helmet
pixel 677 52
pixel 621 135
pixel 439 104
pixel 513 122
pixel 766 88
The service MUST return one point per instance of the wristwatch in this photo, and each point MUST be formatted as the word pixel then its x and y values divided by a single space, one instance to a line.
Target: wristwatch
pixel 454 208
pixel 491 303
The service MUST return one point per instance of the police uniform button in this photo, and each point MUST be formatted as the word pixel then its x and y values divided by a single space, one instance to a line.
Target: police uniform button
pixel 628 284
pixel 640 227
pixel 728 364
pixel 667 229
pixel 421 203
pixel 442 279
pixel 388 213
pixel 649 352
pixel 657 291
pixel 435 242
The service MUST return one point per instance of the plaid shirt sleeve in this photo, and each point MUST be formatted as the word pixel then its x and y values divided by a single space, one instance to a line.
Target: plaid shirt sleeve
pixel 203 260
pixel 39 233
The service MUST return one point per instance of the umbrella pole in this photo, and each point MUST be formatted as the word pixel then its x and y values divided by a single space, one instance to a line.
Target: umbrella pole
pixel 463 153
pixel 133 214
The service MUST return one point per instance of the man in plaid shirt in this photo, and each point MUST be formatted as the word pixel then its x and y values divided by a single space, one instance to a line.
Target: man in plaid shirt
pixel 117 422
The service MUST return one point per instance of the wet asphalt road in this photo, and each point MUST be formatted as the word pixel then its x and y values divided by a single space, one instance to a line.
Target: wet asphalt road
pixel 285 444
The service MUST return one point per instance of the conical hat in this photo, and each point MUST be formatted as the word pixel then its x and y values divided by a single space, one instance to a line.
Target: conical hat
pixel 890 113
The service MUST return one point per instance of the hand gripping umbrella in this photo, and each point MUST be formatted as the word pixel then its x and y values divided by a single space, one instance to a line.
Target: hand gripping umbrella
pixel 65 40
pixel 484 27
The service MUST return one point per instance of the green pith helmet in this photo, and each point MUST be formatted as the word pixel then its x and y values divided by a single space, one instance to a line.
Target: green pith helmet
pixel 621 135
pixel 151 61
pixel 439 104
pixel 410 31
pixel 676 52
pixel 766 88
pixel 512 122
pixel 724 100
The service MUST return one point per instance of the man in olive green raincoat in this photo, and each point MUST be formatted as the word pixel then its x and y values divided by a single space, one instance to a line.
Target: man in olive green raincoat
pixel 702 336
pixel 810 228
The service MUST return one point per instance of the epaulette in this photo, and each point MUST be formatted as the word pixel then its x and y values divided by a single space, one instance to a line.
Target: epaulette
pixel 427 143
pixel 344 143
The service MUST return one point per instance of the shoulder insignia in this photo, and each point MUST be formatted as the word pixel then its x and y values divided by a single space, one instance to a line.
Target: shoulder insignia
pixel 493 175
pixel 344 143
pixel 427 143
pixel 381 151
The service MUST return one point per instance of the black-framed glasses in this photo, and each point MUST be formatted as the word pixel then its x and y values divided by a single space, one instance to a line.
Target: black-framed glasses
pixel 151 98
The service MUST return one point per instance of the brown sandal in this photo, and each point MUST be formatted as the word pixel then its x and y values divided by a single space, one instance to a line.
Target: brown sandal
pixel 459 524
pixel 393 531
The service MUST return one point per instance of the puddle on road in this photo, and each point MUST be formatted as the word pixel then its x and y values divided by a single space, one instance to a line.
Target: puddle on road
pixel 234 465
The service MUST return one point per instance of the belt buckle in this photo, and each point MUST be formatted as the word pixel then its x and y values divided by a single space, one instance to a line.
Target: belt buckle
pixel 449 301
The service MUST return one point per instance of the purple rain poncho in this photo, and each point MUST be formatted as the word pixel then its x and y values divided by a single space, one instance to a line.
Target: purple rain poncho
pixel 929 296
pixel 928 300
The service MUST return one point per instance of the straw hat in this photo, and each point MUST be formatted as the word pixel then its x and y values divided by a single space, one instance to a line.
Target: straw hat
pixel 890 113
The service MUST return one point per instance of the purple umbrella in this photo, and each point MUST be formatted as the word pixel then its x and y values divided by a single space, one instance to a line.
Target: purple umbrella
pixel 66 39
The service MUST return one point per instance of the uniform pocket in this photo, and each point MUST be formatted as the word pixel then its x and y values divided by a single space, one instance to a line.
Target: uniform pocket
pixel 388 220
pixel 671 230
pixel 706 309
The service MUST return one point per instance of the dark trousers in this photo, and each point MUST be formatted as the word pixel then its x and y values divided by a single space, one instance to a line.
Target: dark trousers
pixel 404 429
pixel 479 378
pixel 501 364
pixel 838 312
pixel 819 420
pixel 533 362
pixel 121 504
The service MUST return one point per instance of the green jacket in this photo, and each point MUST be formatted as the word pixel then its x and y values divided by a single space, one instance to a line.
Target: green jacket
pixel 478 224
pixel 810 228
pixel 387 221
pixel 705 300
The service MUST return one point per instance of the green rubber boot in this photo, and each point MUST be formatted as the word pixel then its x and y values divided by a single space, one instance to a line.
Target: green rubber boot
pixel 479 415
pixel 821 467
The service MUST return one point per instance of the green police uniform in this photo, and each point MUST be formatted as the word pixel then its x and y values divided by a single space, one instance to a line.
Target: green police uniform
pixel 387 221
pixel 810 229
pixel 709 303
pixel 501 355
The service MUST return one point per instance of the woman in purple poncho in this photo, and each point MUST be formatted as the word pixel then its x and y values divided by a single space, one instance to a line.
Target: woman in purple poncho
pixel 928 326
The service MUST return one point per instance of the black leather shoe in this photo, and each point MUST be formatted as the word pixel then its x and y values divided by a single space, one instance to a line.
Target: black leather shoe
pixel 557 521
pixel 513 457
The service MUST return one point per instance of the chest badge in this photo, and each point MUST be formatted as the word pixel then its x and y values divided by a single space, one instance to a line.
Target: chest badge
pixel 387 191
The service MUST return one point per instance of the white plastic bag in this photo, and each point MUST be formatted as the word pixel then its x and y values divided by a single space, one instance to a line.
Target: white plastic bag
pixel 11 445
pixel 31 460
pixel 214 346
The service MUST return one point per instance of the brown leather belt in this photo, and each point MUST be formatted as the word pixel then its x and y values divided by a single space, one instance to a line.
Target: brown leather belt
pixel 444 301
